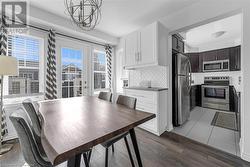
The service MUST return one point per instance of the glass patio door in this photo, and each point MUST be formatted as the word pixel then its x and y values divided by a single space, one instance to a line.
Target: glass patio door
pixel 73 62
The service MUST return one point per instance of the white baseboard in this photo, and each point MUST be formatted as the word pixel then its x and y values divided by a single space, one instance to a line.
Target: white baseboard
pixel 169 128
pixel 245 157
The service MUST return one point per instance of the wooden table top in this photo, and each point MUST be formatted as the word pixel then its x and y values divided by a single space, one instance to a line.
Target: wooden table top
pixel 76 124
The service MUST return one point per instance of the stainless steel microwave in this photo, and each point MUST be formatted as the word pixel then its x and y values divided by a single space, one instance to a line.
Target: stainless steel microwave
pixel 218 65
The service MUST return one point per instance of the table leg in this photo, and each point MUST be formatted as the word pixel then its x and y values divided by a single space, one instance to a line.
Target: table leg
pixel 75 161
pixel 136 148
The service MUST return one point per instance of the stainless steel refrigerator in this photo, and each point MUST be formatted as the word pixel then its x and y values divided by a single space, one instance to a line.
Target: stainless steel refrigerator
pixel 181 88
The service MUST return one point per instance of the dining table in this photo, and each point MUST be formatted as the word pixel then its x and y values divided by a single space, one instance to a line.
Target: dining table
pixel 71 126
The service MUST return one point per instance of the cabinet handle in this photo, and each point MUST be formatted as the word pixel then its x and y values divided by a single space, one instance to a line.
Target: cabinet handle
pixel 135 56
pixel 139 55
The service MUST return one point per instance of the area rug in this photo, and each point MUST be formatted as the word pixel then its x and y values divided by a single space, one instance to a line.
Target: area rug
pixel 224 120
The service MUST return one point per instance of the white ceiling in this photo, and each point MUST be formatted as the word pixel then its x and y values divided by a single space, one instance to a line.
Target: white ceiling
pixel 202 35
pixel 120 17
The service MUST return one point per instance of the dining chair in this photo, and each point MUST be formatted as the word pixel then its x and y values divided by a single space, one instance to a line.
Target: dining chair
pixel 31 147
pixel 37 122
pixel 32 111
pixel 105 96
pixel 128 102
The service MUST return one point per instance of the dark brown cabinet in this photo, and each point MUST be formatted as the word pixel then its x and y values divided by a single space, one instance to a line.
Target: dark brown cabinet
pixel 195 62
pixel 195 96
pixel 233 54
pixel 177 44
pixel 235 58
pixel 208 55
pixel 223 54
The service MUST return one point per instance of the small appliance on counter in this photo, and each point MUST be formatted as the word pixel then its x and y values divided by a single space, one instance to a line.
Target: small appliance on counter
pixel 125 83
pixel 145 84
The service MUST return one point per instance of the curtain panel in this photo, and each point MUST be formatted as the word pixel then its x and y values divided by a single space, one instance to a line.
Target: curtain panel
pixel 51 87
pixel 3 52
pixel 108 50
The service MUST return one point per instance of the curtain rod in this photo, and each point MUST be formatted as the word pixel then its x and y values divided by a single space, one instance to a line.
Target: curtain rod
pixel 64 35
pixel 61 34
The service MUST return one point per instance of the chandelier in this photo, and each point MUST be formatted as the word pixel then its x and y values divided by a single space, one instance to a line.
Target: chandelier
pixel 85 14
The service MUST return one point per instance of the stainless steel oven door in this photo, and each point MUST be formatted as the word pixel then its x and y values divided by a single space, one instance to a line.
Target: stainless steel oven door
pixel 215 96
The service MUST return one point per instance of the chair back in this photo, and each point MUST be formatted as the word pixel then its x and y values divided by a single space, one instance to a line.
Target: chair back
pixel 31 109
pixel 105 96
pixel 30 143
pixel 129 102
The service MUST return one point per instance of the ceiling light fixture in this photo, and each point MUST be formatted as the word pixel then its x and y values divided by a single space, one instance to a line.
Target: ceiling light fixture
pixel 218 34
pixel 86 14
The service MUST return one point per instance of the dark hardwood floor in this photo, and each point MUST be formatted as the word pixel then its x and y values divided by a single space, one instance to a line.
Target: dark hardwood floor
pixel 169 150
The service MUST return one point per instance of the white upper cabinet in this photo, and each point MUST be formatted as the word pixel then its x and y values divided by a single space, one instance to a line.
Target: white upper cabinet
pixel 146 50
pixel 146 47
pixel 131 49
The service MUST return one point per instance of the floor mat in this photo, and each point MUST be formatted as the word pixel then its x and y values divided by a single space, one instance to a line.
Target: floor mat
pixel 224 120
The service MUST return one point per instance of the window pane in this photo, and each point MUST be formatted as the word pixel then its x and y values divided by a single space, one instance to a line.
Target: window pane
pixel 65 92
pixel 27 51
pixel 100 72
pixel 72 65
pixel 99 80
pixel 99 61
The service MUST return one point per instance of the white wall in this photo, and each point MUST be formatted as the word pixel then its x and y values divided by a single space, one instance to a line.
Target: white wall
pixel 208 10
pixel 120 72
pixel 45 19
pixel 214 46
pixel 235 77
pixel 219 45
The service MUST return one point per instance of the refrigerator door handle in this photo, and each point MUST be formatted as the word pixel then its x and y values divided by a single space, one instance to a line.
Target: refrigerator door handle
pixel 189 76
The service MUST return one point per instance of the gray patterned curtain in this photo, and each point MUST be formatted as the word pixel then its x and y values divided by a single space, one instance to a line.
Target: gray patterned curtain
pixel 3 52
pixel 50 91
pixel 108 50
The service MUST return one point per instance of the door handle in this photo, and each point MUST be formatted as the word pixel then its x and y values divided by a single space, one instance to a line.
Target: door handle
pixel 136 59
pixel 139 56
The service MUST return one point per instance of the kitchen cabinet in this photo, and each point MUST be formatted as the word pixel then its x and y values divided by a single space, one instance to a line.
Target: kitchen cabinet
pixel 233 54
pixel 209 56
pixel 152 102
pixel 213 55
pixel 177 44
pixel 131 49
pixel 198 96
pixel 146 47
pixel 146 51
pixel 235 58
pixel 223 54
pixel 194 60
pixel 195 96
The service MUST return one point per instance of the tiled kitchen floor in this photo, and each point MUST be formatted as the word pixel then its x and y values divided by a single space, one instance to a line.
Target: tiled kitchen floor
pixel 199 128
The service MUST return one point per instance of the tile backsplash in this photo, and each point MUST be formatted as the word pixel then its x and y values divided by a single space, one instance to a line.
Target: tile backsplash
pixel 158 75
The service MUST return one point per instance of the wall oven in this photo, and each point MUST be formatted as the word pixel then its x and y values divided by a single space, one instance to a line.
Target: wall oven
pixel 219 65
pixel 215 93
